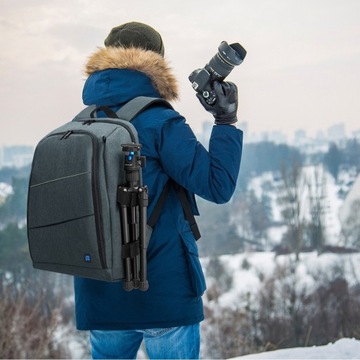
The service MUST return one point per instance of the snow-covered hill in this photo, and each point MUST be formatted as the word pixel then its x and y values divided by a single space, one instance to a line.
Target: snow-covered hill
pixel 249 271
pixel 315 182
pixel 341 349
pixel 238 287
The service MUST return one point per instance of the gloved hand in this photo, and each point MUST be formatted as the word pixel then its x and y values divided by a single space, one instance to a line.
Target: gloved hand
pixel 225 107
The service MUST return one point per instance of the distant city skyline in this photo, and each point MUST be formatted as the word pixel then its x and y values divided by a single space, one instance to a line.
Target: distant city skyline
pixel 18 155
pixel 302 69
pixel 333 133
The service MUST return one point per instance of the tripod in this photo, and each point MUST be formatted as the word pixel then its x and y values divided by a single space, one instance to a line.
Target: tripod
pixel 133 200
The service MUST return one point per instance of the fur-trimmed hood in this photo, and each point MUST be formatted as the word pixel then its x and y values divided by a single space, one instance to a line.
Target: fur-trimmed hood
pixel 150 63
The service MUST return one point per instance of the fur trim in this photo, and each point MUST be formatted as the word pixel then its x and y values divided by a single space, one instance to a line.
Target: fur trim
pixel 148 62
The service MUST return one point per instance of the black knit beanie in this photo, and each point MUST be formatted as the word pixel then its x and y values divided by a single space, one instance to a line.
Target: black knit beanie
pixel 135 34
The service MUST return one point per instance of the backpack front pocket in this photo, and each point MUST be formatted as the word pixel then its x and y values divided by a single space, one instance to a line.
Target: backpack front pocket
pixel 64 228
pixel 197 278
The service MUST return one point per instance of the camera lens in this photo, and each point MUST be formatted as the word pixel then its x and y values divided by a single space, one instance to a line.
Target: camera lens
pixel 224 61
pixel 233 54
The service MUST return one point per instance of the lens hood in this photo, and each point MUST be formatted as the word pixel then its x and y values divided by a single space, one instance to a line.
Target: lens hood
pixel 232 54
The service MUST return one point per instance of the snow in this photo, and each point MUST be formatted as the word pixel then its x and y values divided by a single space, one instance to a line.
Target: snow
pixel 248 271
pixel 333 205
pixel 341 349
pixel 353 195
pixel 332 202
pixel 5 190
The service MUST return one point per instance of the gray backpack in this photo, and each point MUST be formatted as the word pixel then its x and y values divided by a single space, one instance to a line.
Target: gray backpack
pixel 86 201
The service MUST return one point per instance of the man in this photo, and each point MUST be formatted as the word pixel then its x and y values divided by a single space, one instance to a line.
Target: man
pixel 167 316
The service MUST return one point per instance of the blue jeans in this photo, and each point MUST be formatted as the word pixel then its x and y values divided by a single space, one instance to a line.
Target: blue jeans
pixel 169 343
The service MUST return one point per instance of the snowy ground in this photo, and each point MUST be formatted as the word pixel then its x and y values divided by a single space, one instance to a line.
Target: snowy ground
pixel 331 202
pixel 5 190
pixel 248 271
pixel 342 349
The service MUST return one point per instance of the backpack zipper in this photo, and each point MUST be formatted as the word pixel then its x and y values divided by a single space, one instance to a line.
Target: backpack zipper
pixel 95 192
pixel 99 120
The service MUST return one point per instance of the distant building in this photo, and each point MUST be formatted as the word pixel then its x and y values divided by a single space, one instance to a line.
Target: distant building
pixel 336 132
pixel 277 137
pixel 356 134
pixel 320 135
pixel 244 126
pixel 205 133
pixel 16 156
pixel 300 136
pixel 253 137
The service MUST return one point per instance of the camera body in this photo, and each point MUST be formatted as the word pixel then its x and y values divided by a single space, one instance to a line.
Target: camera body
pixel 220 66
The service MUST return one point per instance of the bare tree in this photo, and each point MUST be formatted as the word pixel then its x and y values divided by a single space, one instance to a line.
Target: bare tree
pixel 293 206
pixel 317 196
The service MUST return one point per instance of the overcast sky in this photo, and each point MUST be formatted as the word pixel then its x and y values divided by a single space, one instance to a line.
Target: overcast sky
pixel 302 69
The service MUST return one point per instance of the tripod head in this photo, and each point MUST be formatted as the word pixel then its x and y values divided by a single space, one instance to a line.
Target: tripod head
pixel 133 163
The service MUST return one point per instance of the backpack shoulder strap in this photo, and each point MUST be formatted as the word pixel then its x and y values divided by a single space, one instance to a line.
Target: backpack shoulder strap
pixel 187 210
pixel 126 112
pixel 185 203
pixel 138 104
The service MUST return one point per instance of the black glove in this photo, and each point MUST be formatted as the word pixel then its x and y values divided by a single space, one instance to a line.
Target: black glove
pixel 225 107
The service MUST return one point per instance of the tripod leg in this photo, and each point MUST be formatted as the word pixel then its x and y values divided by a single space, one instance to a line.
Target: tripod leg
pixel 143 203
pixel 133 238
pixel 128 282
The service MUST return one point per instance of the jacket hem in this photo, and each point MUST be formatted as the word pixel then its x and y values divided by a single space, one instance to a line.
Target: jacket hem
pixel 140 326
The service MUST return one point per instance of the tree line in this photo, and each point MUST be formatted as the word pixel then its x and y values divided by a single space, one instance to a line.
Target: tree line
pixel 245 220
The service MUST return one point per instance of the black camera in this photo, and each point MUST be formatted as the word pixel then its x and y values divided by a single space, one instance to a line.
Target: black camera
pixel 218 68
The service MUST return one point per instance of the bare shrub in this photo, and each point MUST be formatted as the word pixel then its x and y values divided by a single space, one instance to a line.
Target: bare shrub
pixel 227 333
pixel 283 314
pixel 30 315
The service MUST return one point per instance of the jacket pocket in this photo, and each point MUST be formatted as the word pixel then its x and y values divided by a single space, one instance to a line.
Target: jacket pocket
pixel 196 274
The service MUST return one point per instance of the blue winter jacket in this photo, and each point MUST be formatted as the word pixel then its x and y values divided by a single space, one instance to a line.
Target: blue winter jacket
pixel 176 280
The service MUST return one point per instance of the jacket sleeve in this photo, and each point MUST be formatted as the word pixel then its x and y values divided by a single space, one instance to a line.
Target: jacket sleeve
pixel 210 174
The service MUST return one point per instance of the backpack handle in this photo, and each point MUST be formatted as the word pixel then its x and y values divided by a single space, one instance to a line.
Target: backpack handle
pixel 108 112
pixel 90 112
